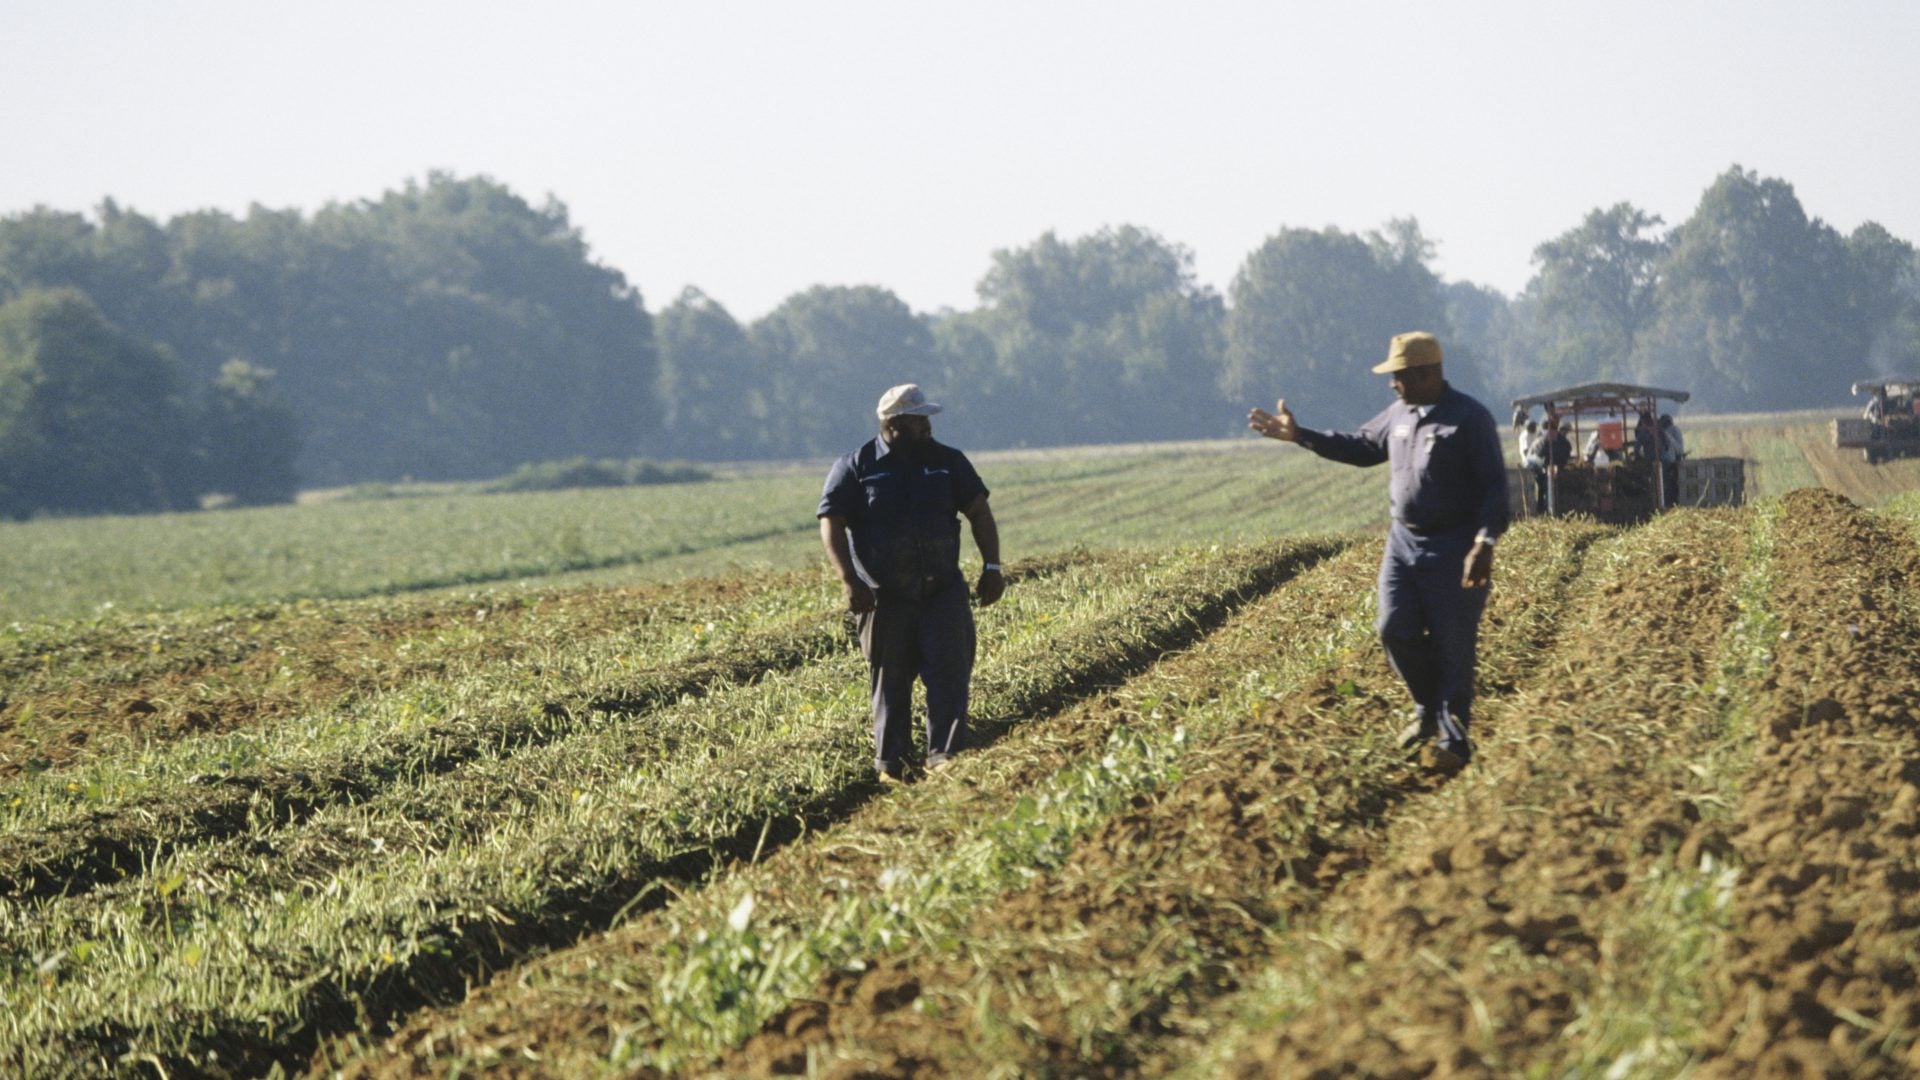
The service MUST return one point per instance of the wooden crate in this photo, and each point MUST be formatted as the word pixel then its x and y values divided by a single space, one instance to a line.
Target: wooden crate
pixel 1713 482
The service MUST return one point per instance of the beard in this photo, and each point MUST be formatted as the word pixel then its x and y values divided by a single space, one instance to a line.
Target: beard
pixel 914 451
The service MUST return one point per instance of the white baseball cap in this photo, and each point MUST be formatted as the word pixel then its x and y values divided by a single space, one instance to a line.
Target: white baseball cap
pixel 905 400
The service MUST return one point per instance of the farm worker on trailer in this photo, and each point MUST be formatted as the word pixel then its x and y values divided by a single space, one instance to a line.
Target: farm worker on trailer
pixel 888 521
pixel 1449 507
pixel 1672 449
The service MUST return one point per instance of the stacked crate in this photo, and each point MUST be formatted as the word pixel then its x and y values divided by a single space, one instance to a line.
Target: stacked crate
pixel 1714 481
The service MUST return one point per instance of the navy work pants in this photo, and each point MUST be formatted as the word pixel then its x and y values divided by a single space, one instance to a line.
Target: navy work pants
pixel 930 639
pixel 1430 626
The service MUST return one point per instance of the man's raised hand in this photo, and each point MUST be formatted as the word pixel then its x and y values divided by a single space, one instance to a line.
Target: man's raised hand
pixel 1277 424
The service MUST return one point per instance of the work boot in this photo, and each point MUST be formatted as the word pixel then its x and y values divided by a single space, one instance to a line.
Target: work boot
pixel 1447 758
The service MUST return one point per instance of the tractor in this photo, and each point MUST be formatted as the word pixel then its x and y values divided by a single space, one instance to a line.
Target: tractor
pixel 1890 427
pixel 1609 462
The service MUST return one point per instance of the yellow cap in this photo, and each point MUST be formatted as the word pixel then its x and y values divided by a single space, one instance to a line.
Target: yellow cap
pixel 1410 350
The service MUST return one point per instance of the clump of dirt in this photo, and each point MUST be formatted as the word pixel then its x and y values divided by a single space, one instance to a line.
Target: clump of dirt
pixel 1818 980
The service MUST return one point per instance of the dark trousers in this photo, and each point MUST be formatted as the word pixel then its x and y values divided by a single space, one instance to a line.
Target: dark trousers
pixel 930 639
pixel 1430 626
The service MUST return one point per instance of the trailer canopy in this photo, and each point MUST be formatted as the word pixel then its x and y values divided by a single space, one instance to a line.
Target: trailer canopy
pixel 1897 384
pixel 1597 396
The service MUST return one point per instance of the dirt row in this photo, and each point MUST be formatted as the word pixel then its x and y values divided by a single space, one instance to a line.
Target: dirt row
pixel 1496 913
pixel 558 1015
pixel 543 1010
pixel 1115 964
pixel 1819 977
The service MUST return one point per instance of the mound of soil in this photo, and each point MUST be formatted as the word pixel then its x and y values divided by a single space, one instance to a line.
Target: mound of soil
pixel 1819 978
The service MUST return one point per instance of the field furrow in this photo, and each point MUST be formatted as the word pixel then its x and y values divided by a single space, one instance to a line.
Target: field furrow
pixel 1114 951
pixel 368 909
pixel 1549 913
pixel 1817 975
pixel 909 881
pixel 70 831
pixel 670 987
pixel 131 683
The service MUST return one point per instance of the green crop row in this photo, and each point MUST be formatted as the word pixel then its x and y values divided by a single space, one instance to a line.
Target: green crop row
pixel 372 906
pixel 99 822
pixel 115 690
pixel 729 966
pixel 68 568
pixel 74 828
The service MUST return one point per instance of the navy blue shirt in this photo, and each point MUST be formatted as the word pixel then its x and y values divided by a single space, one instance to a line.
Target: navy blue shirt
pixel 902 517
pixel 1447 468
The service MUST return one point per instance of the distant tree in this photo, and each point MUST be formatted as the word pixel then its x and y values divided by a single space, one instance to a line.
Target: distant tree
pixel 1312 311
pixel 1883 299
pixel 832 351
pixel 248 438
pixel 91 419
pixel 1104 338
pixel 1593 292
pixel 1485 325
pixel 713 384
pixel 1754 302
pixel 448 330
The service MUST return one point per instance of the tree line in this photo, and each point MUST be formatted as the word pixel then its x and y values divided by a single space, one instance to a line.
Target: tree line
pixel 452 330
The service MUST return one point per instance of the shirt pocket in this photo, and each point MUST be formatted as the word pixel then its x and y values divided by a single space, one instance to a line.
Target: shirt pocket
pixel 1439 450
pixel 933 490
pixel 886 491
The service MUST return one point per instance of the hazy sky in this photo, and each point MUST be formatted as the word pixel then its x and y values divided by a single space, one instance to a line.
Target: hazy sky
pixel 755 149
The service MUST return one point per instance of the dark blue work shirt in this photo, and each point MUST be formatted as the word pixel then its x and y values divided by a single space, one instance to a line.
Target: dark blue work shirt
pixel 1447 469
pixel 902 517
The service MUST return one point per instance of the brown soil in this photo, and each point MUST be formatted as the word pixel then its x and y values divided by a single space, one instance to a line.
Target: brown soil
pixel 1819 979
pixel 1470 948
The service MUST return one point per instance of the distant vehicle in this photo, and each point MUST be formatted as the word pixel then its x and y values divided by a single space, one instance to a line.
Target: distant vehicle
pixel 1890 425
pixel 1613 473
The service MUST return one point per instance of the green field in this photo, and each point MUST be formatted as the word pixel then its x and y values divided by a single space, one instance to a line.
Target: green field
pixel 288 788
pixel 346 549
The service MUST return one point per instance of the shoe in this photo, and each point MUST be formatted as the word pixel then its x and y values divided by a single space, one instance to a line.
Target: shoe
pixel 937 762
pixel 1417 731
pixel 891 777
pixel 1449 758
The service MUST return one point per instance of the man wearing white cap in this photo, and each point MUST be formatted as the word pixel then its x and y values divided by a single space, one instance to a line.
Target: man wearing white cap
pixel 888 521
pixel 1449 506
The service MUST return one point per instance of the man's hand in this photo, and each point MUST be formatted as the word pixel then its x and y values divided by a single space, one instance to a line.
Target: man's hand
pixel 1277 424
pixel 859 596
pixel 1478 573
pixel 990 588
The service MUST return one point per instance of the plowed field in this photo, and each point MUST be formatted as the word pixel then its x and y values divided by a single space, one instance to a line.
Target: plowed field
pixel 565 840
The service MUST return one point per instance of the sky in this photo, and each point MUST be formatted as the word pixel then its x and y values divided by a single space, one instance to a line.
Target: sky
pixel 756 149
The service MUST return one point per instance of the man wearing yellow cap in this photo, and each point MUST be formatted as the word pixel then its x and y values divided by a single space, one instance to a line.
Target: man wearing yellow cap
pixel 889 519
pixel 1449 506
